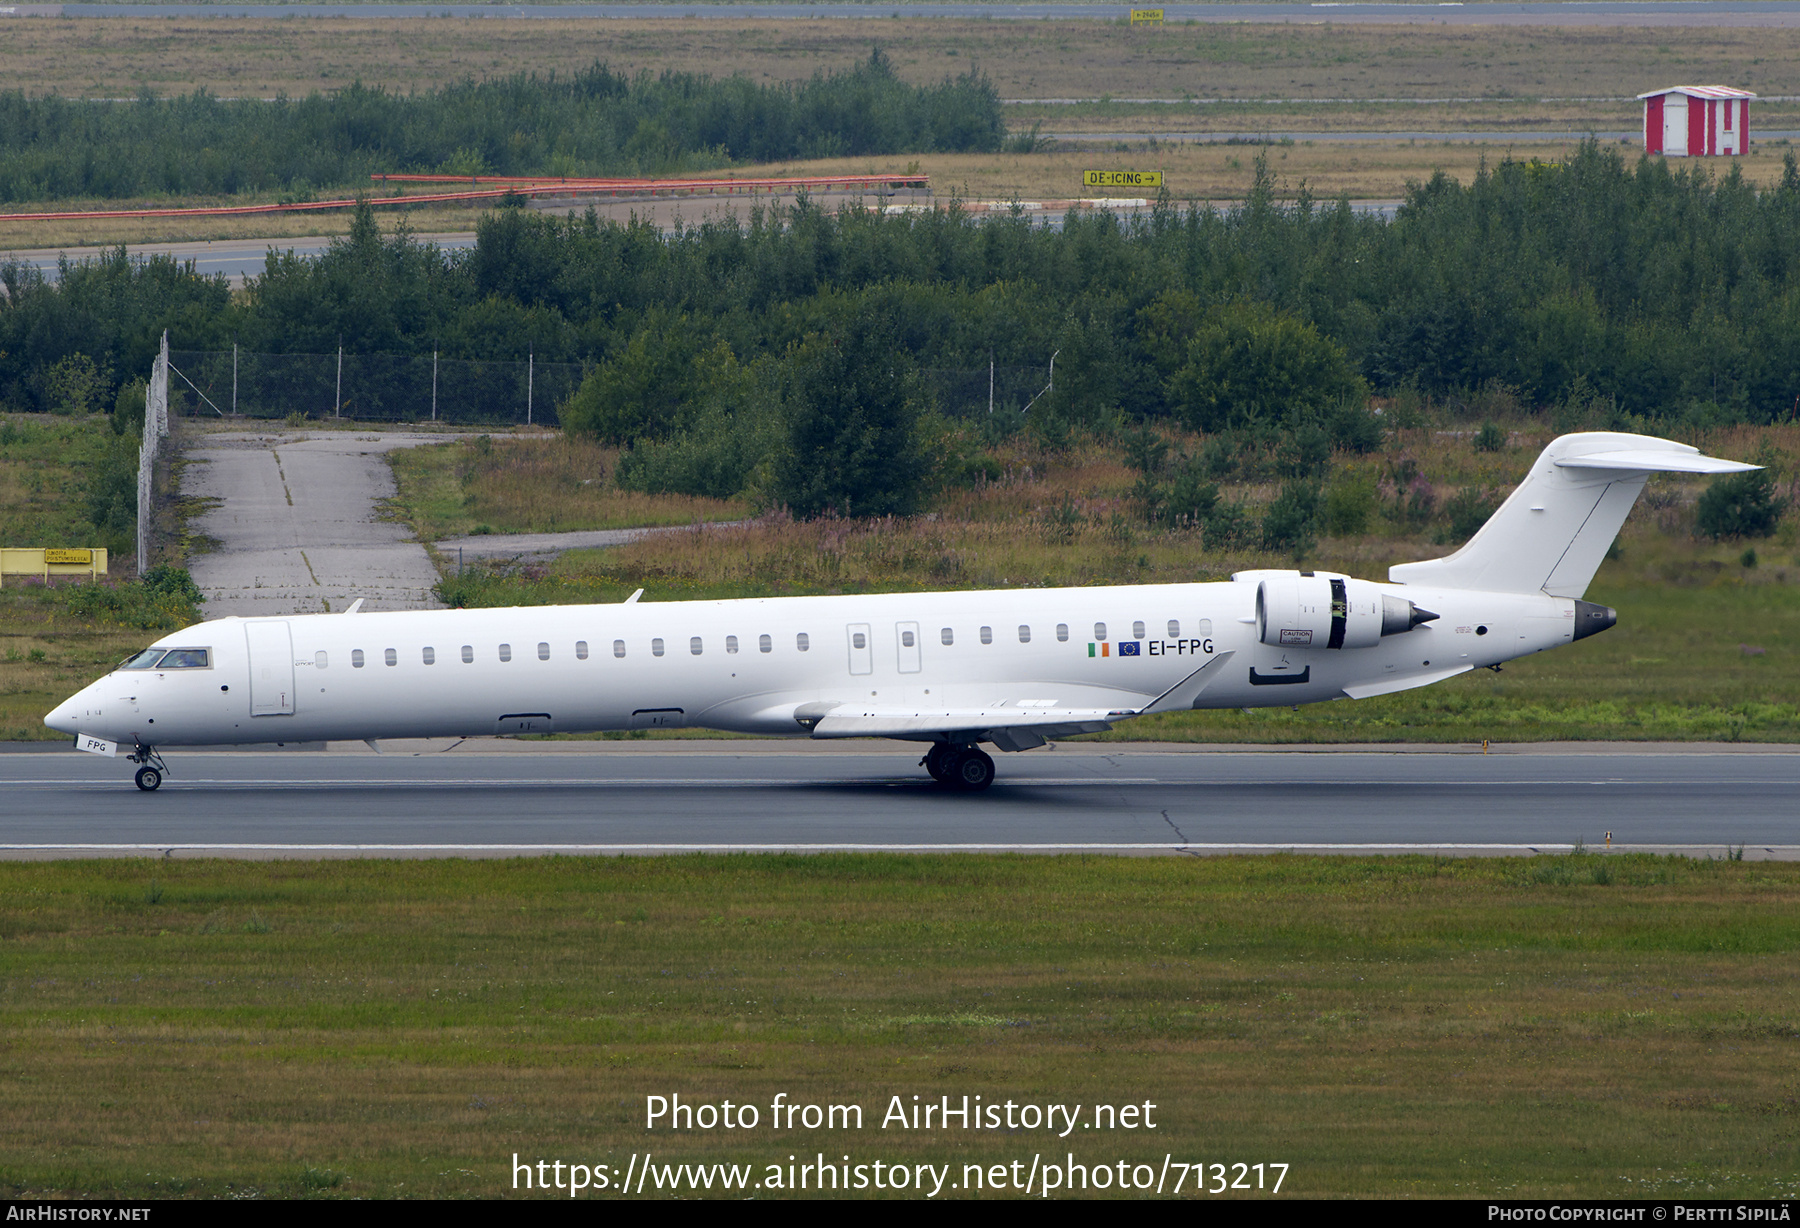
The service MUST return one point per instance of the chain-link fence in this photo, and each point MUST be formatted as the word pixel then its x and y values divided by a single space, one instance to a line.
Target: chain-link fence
pixel 371 387
pixel 971 393
pixel 156 429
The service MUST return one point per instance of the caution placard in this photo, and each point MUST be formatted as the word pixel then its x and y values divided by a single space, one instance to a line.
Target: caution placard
pixel 1121 179
pixel 1146 17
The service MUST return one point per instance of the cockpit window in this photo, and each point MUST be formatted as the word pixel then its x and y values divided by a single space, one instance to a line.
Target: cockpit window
pixel 185 658
pixel 145 659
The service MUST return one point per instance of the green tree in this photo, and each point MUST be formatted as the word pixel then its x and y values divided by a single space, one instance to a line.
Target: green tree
pixel 1249 363
pixel 643 392
pixel 854 440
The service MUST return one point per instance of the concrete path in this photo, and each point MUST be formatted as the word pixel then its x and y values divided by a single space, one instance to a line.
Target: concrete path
pixel 545 545
pixel 296 523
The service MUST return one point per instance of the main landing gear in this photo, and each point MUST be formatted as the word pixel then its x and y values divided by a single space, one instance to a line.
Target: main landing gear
pixel 963 768
pixel 150 775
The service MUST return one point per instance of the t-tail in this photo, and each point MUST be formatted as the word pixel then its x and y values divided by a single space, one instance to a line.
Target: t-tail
pixel 1553 531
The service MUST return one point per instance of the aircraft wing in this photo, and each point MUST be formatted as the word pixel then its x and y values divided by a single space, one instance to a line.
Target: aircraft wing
pixel 1011 728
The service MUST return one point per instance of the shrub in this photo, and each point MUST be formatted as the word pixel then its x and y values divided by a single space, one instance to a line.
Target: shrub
pixel 1290 525
pixel 1490 438
pixel 1743 505
pixel 1354 428
pixel 1468 509
pixel 1348 505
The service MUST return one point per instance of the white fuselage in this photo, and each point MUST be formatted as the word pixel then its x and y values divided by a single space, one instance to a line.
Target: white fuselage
pixel 759 666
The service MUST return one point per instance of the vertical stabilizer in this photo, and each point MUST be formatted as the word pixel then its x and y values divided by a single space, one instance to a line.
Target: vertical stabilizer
pixel 1555 528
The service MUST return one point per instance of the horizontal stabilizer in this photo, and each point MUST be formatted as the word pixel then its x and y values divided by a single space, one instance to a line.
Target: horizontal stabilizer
pixel 1643 460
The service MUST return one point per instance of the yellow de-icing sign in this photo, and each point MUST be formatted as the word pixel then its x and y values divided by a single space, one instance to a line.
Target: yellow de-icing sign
pixel 84 557
pixel 1121 179
pixel 1146 17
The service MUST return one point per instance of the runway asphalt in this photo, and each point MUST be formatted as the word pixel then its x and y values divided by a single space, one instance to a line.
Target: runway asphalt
pixel 673 797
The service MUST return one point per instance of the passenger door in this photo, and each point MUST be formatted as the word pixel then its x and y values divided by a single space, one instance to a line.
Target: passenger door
pixel 271 668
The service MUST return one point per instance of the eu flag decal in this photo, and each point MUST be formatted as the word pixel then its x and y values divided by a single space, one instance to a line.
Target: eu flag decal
pixel 1128 650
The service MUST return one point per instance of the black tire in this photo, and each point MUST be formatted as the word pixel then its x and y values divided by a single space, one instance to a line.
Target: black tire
pixel 149 779
pixel 936 762
pixel 972 771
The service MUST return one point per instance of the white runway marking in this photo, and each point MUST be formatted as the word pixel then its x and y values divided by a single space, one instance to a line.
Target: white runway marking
pixel 165 846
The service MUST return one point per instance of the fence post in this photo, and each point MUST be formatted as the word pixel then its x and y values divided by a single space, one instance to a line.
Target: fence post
pixel 434 354
pixel 234 377
pixel 530 371
pixel 337 410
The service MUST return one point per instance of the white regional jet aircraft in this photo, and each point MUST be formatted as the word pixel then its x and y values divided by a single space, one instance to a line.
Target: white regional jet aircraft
pixel 954 670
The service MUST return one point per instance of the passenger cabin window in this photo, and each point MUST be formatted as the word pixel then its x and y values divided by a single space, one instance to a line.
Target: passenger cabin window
pixel 506 652
pixel 987 635
pixel 618 648
pixel 695 646
pixel 858 640
pixel 656 648
pixel 1100 631
pixel 468 654
pixel 320 660
pixel 543 652
pixel 801 642
pixel 1204 629
pixel 184 658
pixel 731 643
pixel 390 656
pixel 906 639
pixel 1062 633
pixel 143 660
pixel 1024 634
pixel 356 658
pixel 581 650
pixel 764 643
pixel 428 655
pixel 947 635
pixel 1174 628
pixel 1137 630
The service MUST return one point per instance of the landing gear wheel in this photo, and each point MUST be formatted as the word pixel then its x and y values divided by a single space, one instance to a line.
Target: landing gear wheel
pixel 149 779
pixel 937 761
pixel 972 771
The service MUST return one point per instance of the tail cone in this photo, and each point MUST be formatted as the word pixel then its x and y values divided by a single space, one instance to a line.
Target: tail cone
pixel 1592 619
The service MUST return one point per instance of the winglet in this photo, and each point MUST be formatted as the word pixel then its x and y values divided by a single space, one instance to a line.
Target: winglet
pixel 632 600
pixel 355 605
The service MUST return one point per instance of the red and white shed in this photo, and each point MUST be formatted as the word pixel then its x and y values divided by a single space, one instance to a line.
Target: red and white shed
pixel 1694 121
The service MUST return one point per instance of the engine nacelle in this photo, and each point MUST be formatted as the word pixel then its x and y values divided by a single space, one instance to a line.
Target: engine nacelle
pixel 1304 610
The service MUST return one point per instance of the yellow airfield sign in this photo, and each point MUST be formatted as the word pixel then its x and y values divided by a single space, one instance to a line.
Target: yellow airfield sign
pixel 1121 179
pixel 1146 17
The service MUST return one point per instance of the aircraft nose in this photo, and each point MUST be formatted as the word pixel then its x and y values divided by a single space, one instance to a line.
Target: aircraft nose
pixel 64 718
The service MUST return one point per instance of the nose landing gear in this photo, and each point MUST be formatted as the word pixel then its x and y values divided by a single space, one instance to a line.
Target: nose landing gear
pixel 963 768
pixel 150 775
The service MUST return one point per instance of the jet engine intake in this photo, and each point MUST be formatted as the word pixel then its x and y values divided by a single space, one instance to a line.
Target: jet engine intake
pixel 1304 610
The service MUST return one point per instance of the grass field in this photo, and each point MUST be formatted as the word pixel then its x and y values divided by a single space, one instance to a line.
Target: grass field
pixel 1584 1026
pixel 117 57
